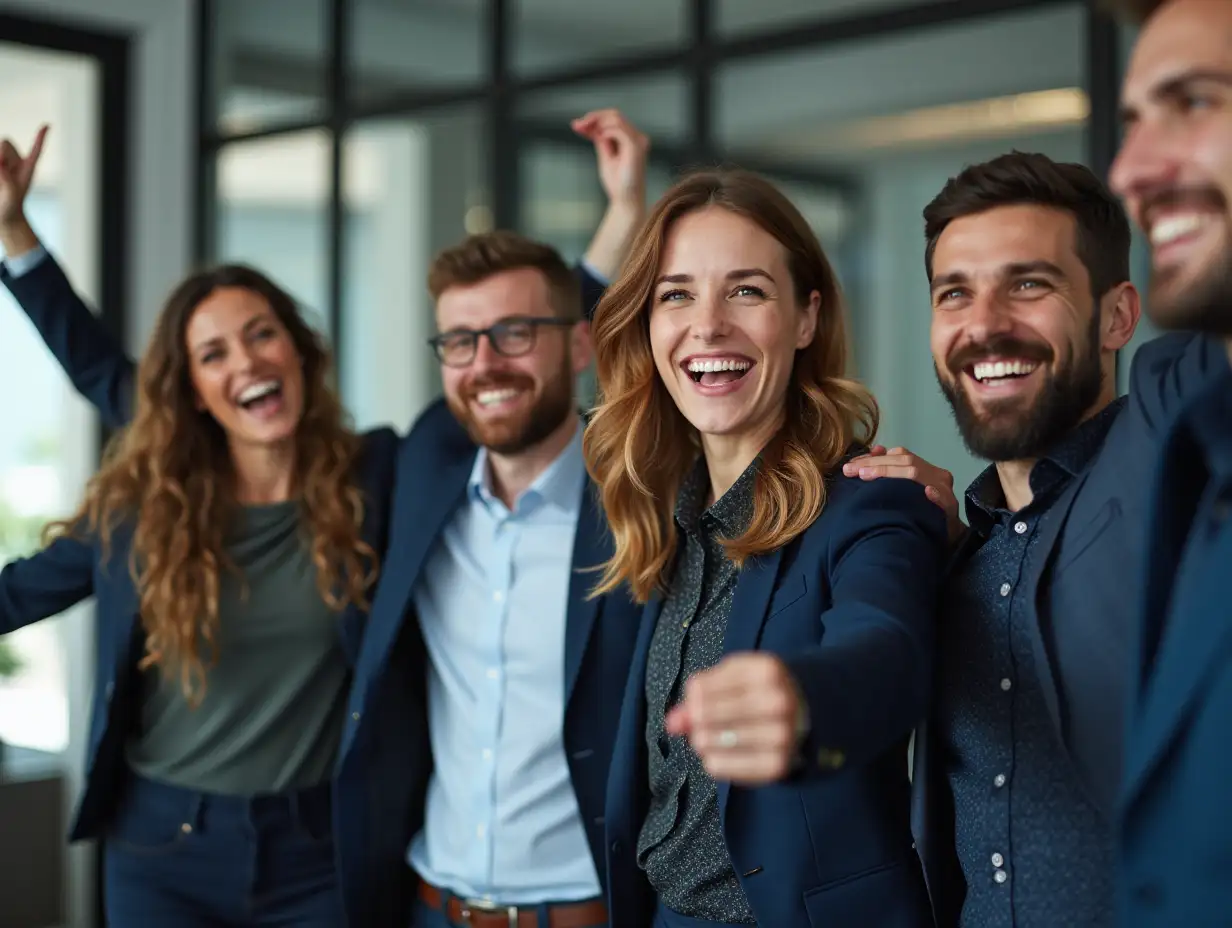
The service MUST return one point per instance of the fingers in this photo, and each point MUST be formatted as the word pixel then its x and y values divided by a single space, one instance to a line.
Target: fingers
pixel 611 126
pixel 36 150
pixel 10 159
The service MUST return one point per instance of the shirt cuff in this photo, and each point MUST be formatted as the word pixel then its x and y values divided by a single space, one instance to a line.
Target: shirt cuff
pixel 602 278
pixel 24 263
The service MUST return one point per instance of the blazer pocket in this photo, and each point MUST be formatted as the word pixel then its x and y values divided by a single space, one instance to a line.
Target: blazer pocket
pixel 790 593
pixel 1073 548
pixel 890 896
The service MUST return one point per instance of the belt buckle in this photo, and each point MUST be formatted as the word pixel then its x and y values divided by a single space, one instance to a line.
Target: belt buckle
pixel 470 906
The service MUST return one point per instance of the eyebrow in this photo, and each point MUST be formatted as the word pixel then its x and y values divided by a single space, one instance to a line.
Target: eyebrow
pixel 741 274
pixel 1176 85
pixel 1015 269
pixel 262 316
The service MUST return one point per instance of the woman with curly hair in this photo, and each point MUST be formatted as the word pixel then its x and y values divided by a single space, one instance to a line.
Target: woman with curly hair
pixel 232 539
pixel 760 770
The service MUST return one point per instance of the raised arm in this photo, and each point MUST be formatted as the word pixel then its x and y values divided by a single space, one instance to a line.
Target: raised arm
pixel 45 584
pixel 620 150
pixel 90 355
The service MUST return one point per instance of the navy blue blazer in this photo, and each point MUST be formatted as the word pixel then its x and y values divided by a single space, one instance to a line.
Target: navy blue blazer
pixel 1082 587
pixel 849 606
pixel 1175 815
pixel 384 764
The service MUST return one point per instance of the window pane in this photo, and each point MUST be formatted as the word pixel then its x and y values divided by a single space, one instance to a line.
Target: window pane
pixel 659 105
pixel 737 18
pixel 48 446
pixel 550 34
pixel 270 62
pixel 906 113
pixel 412 44
pixel 272 213
pixel 413 186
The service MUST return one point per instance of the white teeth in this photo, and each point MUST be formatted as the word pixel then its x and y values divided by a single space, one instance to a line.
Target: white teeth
pixel 994 370
pixel 258 390
pixel 710 365
pixel 1170 228
pixel 491 397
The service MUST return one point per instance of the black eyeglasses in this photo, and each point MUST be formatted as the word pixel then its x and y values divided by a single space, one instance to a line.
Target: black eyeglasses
pixel 510 337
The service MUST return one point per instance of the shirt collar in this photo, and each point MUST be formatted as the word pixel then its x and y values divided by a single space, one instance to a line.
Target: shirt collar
pixel 1065 459
pixel 730 514
pixel 560 484
pixel 1208 419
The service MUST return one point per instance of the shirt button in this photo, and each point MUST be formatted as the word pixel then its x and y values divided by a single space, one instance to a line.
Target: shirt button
pixel 997 860
pixel 999 780
pixel 1005 589
pixel 480 831
pixel 1020 527
pixel 497 596
pixel 493 673
pixel 1007 684
pixel 1000 876
pixel 487 753
pixel 355 716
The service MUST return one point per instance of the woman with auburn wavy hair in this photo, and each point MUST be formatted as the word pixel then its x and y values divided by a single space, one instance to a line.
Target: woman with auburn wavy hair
pixel 760 770
pixel 232 539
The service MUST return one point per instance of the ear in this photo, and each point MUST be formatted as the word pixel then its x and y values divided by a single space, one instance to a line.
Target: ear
pixel 581 348
pixel 1121 309
pixel 806 326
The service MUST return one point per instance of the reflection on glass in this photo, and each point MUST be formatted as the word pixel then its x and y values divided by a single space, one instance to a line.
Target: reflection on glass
pixel 396 47
pixel 272 212
pixel 412 187
pixel 895 117
pixel 270 62
pixel 549 35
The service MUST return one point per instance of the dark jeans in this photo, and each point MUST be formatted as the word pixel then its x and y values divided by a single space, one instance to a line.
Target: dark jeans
pixel 177 858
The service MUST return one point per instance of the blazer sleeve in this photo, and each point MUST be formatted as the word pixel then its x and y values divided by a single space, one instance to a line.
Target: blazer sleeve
pixel 45 584
pixel 90 355
pixel 1169 371
pixel 592 290
pixel 867 684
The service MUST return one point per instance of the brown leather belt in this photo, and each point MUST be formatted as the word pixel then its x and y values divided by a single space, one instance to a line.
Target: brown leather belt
pixel 591 914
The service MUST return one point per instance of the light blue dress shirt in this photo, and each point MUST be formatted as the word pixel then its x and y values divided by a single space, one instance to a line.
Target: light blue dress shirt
pixel 23 264
pixel 502 822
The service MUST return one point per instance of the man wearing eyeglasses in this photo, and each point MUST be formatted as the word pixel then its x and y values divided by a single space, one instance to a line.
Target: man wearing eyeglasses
pixel 495 524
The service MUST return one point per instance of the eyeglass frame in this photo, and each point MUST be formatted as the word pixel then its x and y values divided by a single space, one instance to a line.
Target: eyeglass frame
pixel 494 333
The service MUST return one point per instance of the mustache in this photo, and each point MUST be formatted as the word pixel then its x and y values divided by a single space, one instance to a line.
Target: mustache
pixel 998 347
pixel 498 381
pixel 1173 196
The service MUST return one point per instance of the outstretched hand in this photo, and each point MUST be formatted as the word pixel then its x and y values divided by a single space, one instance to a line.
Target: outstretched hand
pixel 938 483
pixel 16 175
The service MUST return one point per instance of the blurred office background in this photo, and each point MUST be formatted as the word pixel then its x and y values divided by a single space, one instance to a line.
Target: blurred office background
pixel 338 144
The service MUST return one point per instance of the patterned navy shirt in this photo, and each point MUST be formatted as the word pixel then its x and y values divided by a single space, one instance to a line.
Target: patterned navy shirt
pixel 1035 851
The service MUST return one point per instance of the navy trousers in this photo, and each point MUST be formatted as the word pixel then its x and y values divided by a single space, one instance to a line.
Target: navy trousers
pixel 177 858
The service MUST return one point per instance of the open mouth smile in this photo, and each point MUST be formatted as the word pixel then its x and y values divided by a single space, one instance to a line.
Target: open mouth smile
pixel 717 375
pixel 262 398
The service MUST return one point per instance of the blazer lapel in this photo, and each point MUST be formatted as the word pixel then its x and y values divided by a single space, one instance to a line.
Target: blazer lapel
pixel 591 547
pixel 750 604
pixel 421 509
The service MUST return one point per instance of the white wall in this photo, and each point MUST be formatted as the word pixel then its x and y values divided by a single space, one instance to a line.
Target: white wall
pixel 163 136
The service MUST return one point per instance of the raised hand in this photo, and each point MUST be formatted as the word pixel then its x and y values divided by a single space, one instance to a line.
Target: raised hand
pixel 938 483
pixel 16 174
pixel 621 152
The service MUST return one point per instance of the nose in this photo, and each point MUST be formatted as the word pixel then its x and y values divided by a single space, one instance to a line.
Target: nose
pixel 988 317
pixel 1147 160
pixel 485 355
pixel 709 319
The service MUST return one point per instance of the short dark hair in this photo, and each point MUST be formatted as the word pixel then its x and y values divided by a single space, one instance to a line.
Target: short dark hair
pixel 1103 234
pixel 1133 11
pixel 479 257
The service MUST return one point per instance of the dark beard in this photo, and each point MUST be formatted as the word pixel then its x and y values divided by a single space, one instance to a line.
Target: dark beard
pixel 517 433
pixel 1008 432
pixel 1206 306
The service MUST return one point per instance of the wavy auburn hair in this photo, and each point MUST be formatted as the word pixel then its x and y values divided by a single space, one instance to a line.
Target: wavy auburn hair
pixel 167 482
pixel 639 446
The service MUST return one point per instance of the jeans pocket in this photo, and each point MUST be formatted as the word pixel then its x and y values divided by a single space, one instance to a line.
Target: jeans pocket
pixel 148 825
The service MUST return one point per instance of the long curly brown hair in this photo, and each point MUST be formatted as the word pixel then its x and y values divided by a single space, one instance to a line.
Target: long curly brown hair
pixel 639 446
pixel 167 486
